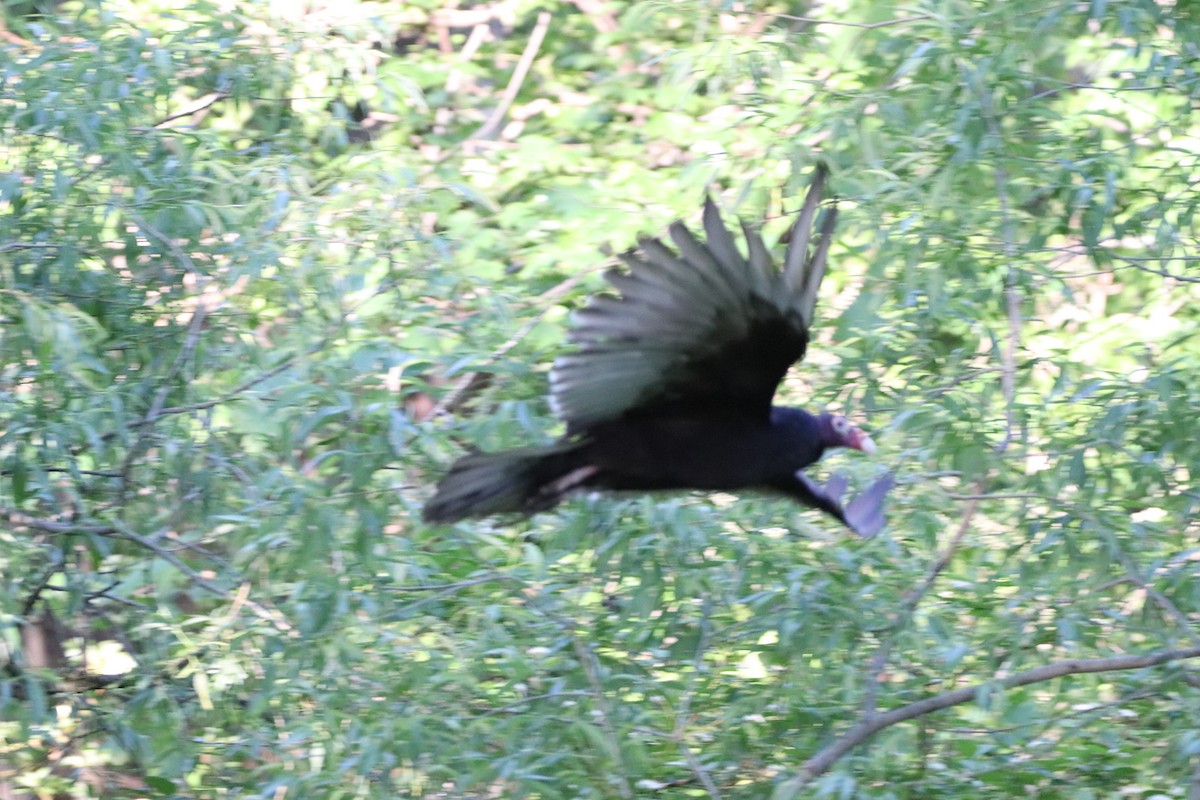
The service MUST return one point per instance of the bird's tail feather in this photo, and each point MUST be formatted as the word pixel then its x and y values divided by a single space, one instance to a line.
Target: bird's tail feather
pixel 525 480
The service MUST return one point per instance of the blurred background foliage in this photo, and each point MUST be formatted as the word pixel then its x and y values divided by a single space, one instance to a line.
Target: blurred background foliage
pixel 266 268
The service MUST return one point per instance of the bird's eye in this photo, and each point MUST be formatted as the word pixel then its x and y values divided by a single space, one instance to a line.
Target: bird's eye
pixel 840 424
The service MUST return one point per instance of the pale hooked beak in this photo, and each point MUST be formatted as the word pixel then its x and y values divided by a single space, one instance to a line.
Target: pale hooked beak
pixel 859 440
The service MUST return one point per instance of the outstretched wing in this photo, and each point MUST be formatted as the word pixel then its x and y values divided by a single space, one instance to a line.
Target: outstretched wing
pixel 704 329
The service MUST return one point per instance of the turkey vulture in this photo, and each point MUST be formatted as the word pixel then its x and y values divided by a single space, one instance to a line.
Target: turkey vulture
pixel 670 382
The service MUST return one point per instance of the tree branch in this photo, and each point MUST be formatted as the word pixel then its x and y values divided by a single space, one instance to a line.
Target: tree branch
pixel 1012 298
pixel 1163 602
pixel 684 713
pixel 449 587
pixel 1142 265
pixel 489 128
pixel 587 660
pixel 910 603
pixel 525 701
pixel 52 526
pixel 864 25
pixel 282 366
pixel 144 425
pixel 273 616
pixel 868 727
pixel 21 519
pixel 452 398
pixel 203 104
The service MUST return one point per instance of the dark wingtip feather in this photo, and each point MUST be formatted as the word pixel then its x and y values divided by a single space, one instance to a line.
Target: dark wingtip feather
pixel 802 272
pixel 681 313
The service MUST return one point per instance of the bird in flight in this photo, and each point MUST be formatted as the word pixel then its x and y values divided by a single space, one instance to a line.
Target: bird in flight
pixel 670 382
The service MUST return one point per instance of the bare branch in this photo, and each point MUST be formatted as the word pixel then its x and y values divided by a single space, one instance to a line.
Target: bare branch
pixel 1000 496
pixel 1163 602
pixel 489 128
pixel 443 587
pixel 43 584
pixel 910 603
pixel 524 701
pixel 683 715
pixel 452 398
pixel 869 726
pixel 1142 265
pixel 160 397
pixel 94 473
pixel 203 104
pixel 864 25
pixel 282 366
pixel 21 519
pixel 29 246
pixel 177 251
pixel 273 616
pixel 1012 299
pixel 587 661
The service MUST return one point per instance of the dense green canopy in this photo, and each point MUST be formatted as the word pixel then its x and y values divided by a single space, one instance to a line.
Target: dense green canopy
pixel 267 268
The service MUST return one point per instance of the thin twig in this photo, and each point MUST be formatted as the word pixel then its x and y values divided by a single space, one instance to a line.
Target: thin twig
pixel 29 246
pixel 1143 266
pixel 155 411
pixel 49 526
pixel 438 592
pixel 842 24
pixel 524 701
pixel 92 473
pixel 282 366
pixel 868 727
pixel 1053 721
pixel 909 604
pixel 206 102
pixel 275 617
pixel 683 715
pixel 1194 788
pixel 1012 299
pixel 43 584
pixel 286 364
pixel 171 244
pixel 489 128
pixel 452 397
pixel 441 587
pixel 947 555
pixel 586 660
pixel 1163 602
pixel 20 518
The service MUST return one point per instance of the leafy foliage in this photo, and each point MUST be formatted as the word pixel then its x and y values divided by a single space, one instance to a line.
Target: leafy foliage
pixel 251 253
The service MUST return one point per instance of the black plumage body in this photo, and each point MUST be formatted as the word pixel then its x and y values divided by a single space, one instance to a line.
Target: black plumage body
pixel 671 381
pixel 713 452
